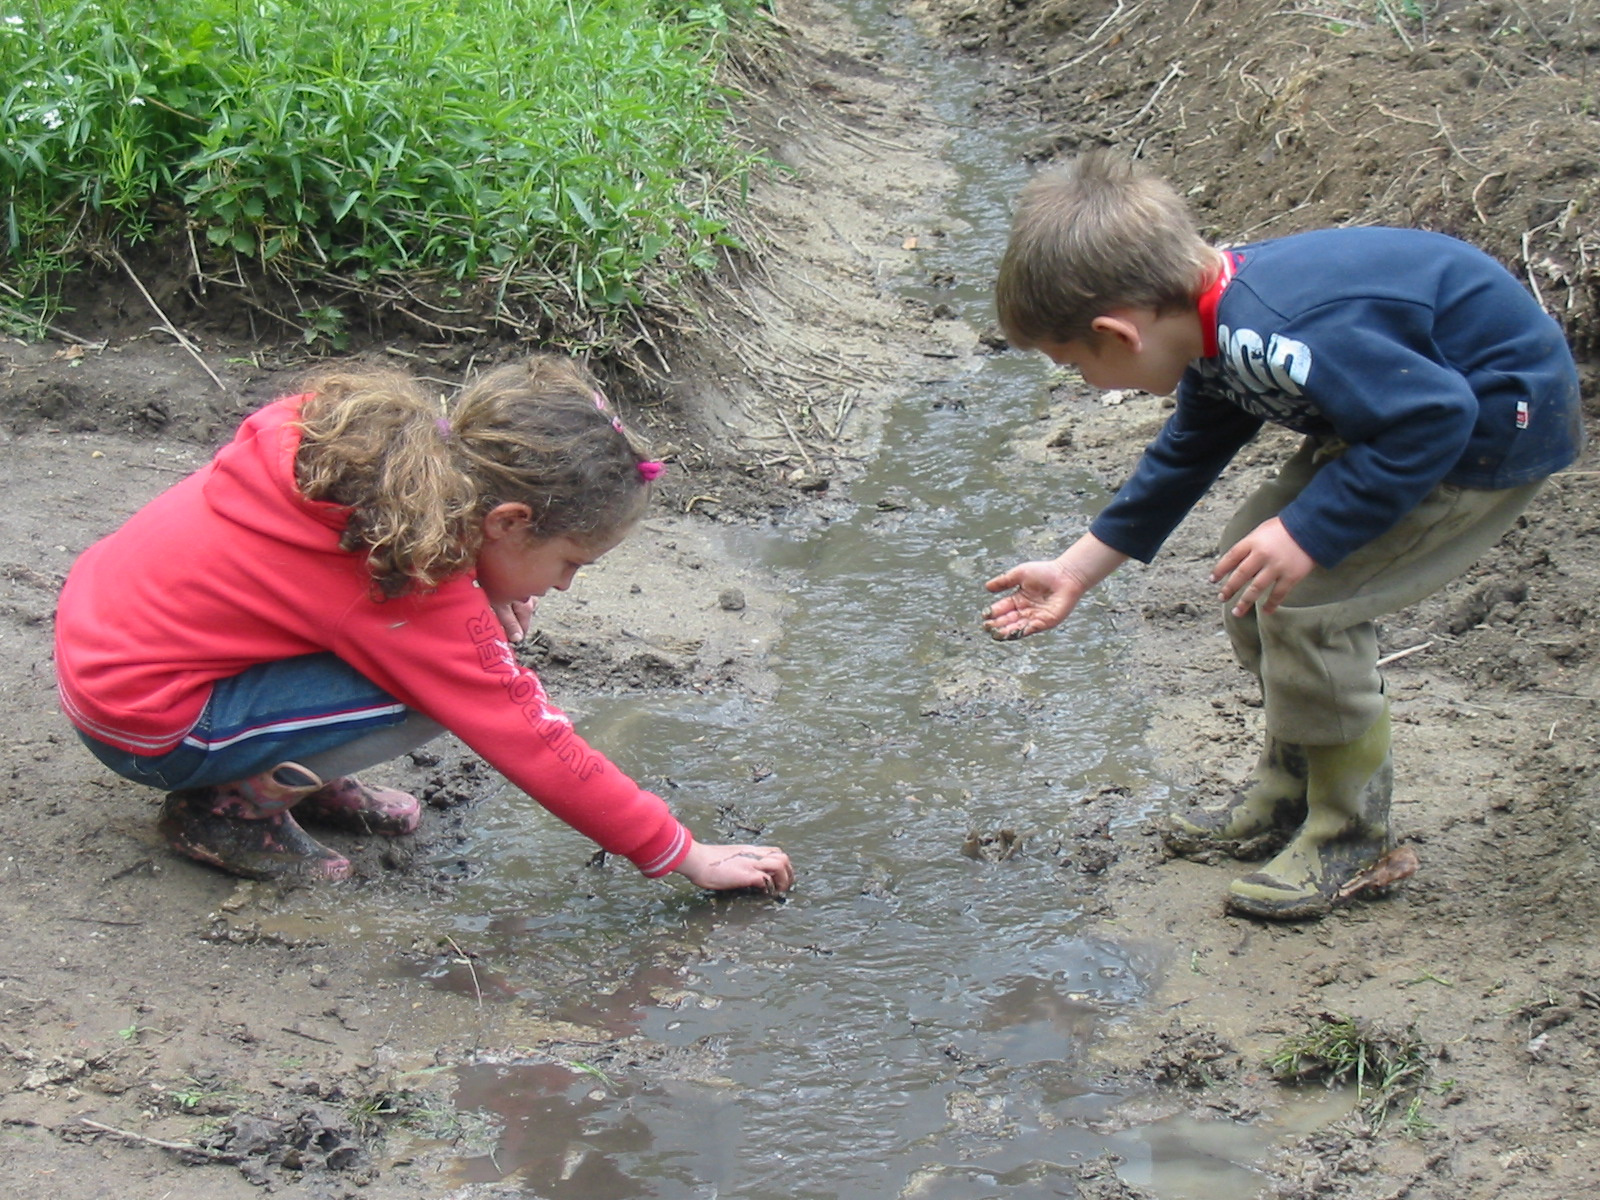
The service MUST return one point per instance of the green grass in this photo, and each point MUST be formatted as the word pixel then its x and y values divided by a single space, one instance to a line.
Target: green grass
pixel 560 165
pixel 1343 15
pixel 1387 1068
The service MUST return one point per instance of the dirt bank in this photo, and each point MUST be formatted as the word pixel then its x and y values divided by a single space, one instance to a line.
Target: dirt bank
pixel 143 995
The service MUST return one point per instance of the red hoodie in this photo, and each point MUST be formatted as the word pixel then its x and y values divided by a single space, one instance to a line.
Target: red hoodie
pixel 233 567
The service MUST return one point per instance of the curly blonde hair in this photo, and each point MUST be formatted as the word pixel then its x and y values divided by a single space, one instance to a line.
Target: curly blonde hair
pixel 1095 235
pixel 419 477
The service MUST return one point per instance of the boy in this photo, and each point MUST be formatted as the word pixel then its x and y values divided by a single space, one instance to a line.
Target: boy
pixel 1435 397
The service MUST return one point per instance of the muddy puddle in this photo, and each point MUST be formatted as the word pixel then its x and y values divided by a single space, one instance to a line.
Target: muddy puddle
pixel 912 1020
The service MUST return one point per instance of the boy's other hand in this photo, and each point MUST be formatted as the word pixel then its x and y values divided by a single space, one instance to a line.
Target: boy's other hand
pixel 1262 568
pixel 719 868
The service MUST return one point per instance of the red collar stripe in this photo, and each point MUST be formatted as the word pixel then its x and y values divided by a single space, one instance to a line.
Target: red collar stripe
pixel 1211 297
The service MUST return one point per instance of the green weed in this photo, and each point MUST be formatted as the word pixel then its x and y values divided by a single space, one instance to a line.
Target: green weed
pixel 195 1095
pixel 1387 1068
pixel 1401 17
pixel 376 1113
pixel 596 1072
pixel 568 162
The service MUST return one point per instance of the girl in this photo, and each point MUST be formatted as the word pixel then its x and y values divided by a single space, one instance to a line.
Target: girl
pixel 337 587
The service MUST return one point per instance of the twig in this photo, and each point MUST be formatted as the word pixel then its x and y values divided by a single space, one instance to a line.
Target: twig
pixel 1527 265
pixel 166 322
pixel 1394 21
pixel 1094 46
pixel 310 1037
pixel 466 958
pixel 798 278
pixel 793 437
pixel 1406 653
pixel 170 471
pixel 847 401
pixel 220 1156
pixel 848 131
pixel 1475 206
pixel 1394 116
pixel 1173 72
pixel 63 334
pixel 194 257
pixel 450 329
pixel 1450 141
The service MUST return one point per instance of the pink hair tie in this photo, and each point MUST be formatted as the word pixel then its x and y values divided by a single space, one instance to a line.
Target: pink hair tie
pixel 605 409
pixel 443 426
pixel 649 471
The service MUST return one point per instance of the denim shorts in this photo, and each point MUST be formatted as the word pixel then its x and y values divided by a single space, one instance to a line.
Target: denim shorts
pixel 273 713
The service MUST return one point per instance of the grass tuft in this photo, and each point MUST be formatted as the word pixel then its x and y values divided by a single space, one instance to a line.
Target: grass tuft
pixel 1389 1069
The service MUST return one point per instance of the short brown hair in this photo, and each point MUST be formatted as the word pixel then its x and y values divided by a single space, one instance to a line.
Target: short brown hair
pixel 1095 235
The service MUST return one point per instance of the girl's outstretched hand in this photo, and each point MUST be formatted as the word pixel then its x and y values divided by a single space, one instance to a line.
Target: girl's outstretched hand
pixel 718 868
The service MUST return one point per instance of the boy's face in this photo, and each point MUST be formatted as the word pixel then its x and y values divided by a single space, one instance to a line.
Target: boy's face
pixel 1103 365
pixel 1132 348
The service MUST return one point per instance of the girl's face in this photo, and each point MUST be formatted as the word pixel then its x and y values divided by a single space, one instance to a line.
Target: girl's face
pixel 513 566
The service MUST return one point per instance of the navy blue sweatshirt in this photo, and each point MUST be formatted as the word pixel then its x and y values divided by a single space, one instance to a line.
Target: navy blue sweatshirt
pixel 1420 357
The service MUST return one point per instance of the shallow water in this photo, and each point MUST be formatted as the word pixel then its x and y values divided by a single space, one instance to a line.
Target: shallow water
pixel 911 1022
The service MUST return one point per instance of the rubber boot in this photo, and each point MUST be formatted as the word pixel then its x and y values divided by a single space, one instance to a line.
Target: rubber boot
pixel 347 803
pixel 1346 831
pixel 245 828
pixel 1256 820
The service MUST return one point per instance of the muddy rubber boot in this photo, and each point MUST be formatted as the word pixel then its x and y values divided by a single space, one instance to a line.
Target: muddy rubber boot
pixel 245 828
pixel 1256 820
pixel 1346 831
pixel 347 803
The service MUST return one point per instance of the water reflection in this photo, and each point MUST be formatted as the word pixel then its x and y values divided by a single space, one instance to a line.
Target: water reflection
pixel 553 1132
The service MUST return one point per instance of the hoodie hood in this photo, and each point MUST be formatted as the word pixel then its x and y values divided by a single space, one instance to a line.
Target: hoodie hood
pixel 251 482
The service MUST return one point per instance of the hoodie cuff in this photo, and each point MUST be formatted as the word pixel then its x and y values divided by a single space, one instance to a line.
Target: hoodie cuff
pixel 662 853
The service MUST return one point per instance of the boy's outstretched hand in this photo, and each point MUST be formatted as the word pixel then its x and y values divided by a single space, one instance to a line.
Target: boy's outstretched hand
pixel 718 868
pixel 1262 568
pixel 1045 596
pixel 1046 592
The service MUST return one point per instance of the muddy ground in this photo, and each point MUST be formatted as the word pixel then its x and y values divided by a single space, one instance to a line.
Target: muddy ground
pixel 161 1036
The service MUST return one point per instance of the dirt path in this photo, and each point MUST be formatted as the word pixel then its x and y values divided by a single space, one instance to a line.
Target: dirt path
pixel 140 994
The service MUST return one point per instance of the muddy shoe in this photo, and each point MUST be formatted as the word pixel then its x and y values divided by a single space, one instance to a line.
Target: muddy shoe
pixel 1346 833
pixel 347 803
pixel 266 794
pixel 1256 821
pixel 197 823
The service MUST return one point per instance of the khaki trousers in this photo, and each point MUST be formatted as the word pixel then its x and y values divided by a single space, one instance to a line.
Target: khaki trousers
pixel 1317 656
